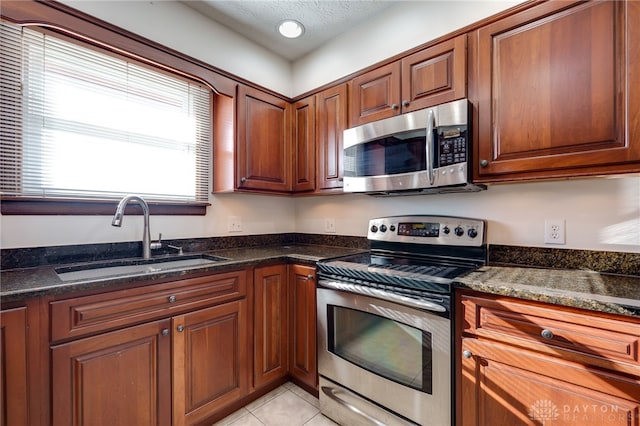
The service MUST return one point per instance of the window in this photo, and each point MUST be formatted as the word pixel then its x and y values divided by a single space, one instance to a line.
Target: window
pixel 82 124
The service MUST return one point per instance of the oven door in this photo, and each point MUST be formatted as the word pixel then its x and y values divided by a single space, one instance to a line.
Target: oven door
pixel 374 350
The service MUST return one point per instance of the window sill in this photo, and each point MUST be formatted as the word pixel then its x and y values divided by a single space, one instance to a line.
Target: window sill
pixel 75 207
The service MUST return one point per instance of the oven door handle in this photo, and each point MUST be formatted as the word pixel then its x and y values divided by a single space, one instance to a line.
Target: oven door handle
pixel 331 393
pixel 383 294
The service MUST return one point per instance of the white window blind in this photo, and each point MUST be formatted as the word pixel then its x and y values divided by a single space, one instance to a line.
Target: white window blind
pixel 78 123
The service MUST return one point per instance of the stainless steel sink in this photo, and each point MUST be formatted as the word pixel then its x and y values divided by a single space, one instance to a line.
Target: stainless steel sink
pixel 97 270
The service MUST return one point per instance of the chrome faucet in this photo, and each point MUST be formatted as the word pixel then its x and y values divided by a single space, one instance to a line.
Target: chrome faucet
pixel 147 245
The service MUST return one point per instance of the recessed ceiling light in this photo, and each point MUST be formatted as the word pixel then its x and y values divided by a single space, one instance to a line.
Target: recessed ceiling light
pixel 290 28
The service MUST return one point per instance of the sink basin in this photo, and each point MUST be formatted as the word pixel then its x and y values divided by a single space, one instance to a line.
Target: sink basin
pixel 134 266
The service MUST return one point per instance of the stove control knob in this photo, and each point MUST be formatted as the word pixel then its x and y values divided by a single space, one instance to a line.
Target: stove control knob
pixel 374 228
pixel 472 232
pixel 383 228
pixel 392 228
pixel 446 230
pixel 459 231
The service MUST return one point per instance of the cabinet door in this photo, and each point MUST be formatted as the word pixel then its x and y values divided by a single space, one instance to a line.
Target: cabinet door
pixel 509 386
pixel 14 407
pixel 210 361
pixel 331 122
pixel 302 325
pixel 435 75
pixel 116 378
pixel 264 141
pixel 375 95
pixel 554 87
pixel 304 143
pixel 270 328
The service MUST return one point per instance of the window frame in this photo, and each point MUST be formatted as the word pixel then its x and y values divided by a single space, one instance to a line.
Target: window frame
pixel 71 24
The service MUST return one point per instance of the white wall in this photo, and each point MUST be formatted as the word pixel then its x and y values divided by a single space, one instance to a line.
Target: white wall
pixel 179 27
pixel 395 30
pixel 259 214
pixel 600 214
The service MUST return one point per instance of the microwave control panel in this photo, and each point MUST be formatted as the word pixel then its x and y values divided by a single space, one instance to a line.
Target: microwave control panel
pixel 452 146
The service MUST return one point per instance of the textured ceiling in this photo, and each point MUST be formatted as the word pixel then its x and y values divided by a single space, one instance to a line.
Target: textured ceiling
pixel 258 20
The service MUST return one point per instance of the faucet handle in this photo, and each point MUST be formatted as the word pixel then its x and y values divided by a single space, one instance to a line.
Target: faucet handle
pixel 157 244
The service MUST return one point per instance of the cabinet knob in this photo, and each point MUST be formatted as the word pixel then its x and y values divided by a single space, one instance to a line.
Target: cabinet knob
pixel 172 299
pixel 310 277
pixel 467 354
pixel 180 328
pixel 165 332
pixel 547 334
pixel 484 163
pixel 243 179
pixel 394 106
pixel 405 103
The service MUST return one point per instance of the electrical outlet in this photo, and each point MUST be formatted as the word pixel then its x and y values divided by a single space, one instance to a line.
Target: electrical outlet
pixel 554 231
pixel 330 225
pixel 235 224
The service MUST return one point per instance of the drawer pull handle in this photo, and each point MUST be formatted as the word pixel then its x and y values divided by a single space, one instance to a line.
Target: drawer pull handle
pixel 310 277
pixel 180 328
pixel 547 334
pixel 165 331
pixel 467 354
pixel 172 299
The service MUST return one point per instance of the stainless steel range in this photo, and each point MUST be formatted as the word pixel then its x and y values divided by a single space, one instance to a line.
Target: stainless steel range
pixel 385 321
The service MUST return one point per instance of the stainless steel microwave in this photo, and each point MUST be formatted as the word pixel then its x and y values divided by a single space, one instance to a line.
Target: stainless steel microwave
pixel 425 151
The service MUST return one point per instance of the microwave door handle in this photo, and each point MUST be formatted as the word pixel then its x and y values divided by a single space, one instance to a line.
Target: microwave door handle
pixel 431 124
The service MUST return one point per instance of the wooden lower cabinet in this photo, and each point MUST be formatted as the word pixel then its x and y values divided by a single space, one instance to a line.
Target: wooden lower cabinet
pixel 270 324
pixel 502 385
pixel 530 363
pixel 210 359
pixel 14 406
pixel 302 326
pixel 171 353
pixel 117 378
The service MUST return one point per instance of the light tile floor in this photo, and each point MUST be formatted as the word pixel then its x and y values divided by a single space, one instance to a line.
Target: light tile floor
pixel 288 405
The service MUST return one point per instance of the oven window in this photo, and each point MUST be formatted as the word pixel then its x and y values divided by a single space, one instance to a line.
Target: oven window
pixel 388 348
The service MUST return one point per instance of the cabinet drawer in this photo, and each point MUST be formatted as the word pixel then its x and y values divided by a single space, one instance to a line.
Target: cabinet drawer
pixel 89 314
pixel 578 336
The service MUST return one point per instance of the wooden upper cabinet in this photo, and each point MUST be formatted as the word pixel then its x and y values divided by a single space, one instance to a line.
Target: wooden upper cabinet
pixel 331 121
pixel 429 77
pixel 435 75
pixel 375 95
pixel 264 141
pixel 304 145
pixel 556 92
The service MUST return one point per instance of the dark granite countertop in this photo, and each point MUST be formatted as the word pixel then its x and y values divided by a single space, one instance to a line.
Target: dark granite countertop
pixel 603 292
pixel 24 283
pixel 617 294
